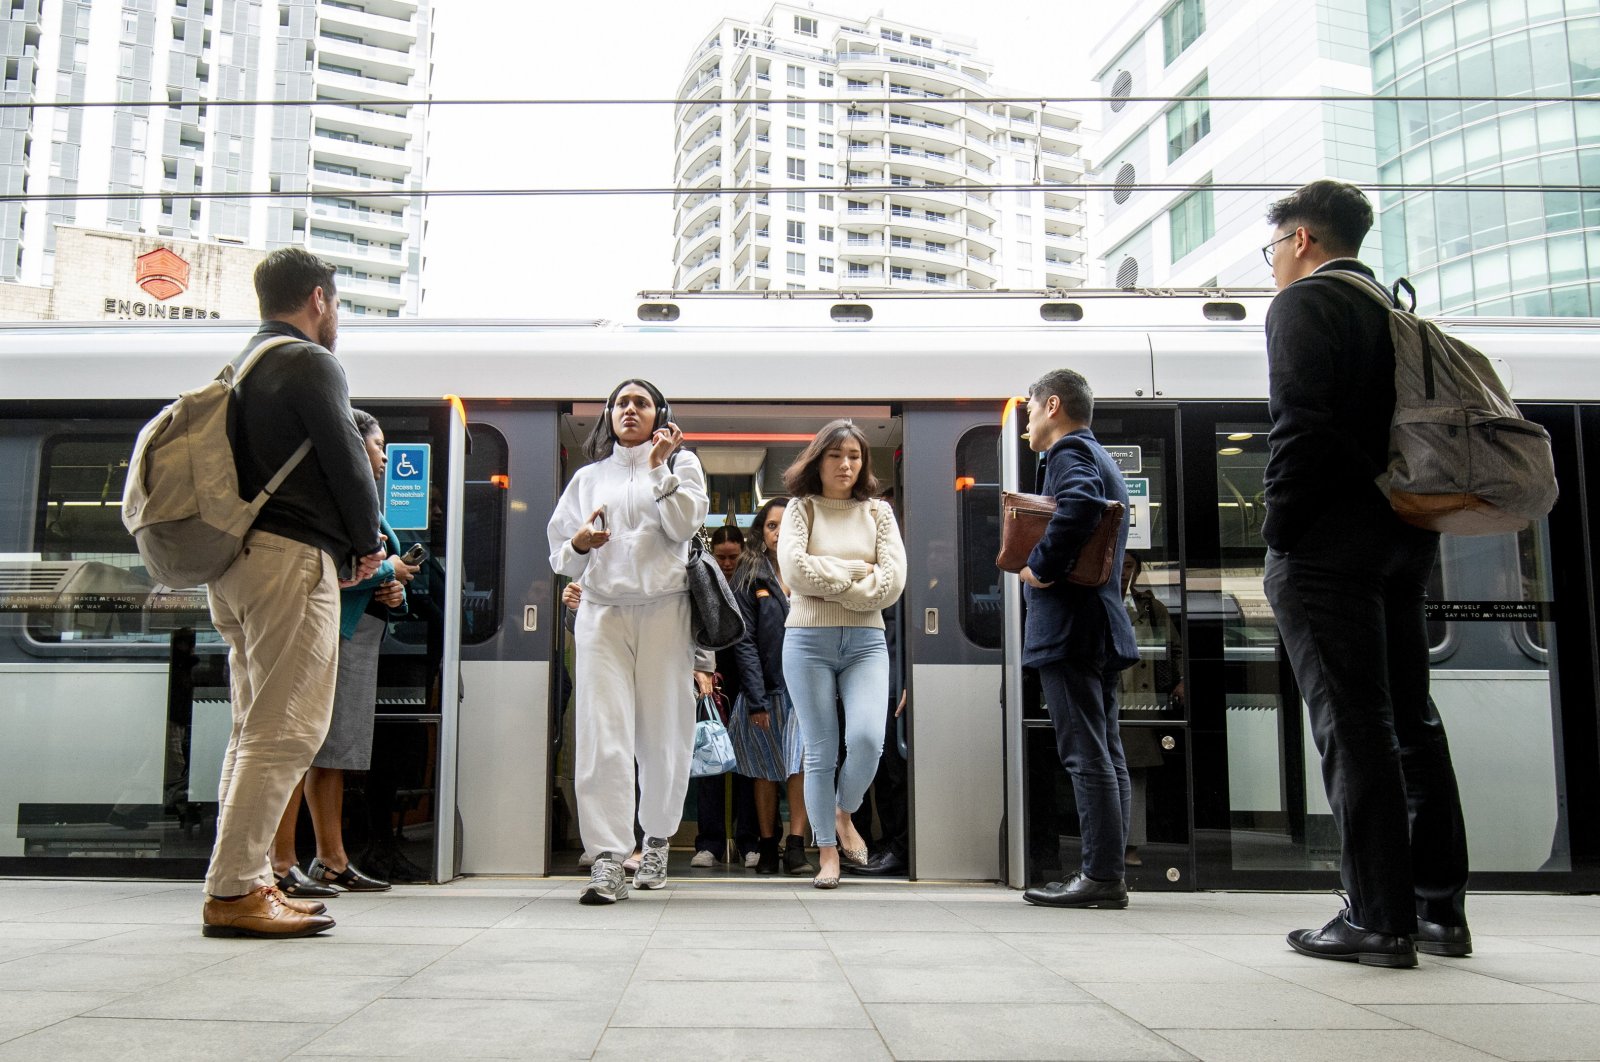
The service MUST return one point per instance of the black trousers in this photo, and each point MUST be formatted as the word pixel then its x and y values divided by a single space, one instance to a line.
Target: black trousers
pixel 1082 701
pixel 889 794
pixel 711 806
pixel 1348 598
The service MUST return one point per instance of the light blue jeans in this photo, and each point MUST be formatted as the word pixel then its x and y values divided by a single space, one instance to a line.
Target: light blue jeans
pixel 822 665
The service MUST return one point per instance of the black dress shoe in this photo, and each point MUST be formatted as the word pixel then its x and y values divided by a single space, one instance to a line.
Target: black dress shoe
pixel 1079 891
pixel 1342 940
pixel 1435 939
pixel 295 883
pixel 885 864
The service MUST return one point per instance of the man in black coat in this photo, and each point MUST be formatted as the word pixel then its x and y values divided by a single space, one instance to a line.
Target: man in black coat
pixel 1347 579
pixel 1079 638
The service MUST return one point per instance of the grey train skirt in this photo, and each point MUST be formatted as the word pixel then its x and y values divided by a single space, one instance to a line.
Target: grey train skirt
pixel 348 746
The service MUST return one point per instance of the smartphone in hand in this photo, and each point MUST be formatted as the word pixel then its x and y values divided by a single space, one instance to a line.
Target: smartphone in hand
pixel 600 519
pixel 415 555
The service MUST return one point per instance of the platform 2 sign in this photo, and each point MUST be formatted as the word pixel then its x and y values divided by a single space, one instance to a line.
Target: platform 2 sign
pixel 405 486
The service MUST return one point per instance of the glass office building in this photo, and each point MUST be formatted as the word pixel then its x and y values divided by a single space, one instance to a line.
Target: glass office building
pixel 1490 251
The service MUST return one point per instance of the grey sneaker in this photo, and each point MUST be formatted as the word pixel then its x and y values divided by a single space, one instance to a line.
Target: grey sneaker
pixel 652 872
pixel 607 882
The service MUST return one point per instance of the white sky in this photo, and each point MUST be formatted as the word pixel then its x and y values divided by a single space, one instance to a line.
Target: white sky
pixel 586 256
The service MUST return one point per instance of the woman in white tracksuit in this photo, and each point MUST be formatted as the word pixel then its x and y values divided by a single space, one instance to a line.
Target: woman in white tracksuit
pixel 623 527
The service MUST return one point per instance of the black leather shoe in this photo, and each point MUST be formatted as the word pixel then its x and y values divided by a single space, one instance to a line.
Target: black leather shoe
pixel 1346 942
pixel 349 879
pixel 885 864
pixel 295 883
pixel 1079 891
pixel 1435 939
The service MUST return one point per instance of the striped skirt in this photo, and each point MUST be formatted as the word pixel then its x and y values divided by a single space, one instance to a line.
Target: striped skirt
pixel 773 752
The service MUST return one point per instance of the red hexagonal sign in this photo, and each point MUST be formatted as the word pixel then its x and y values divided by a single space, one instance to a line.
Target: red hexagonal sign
pixel 162 273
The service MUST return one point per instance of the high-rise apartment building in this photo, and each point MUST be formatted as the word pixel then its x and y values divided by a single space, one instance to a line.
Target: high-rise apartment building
pixel 1477 250
pixel 1191 235
pixel 886 206
pixel 1532 252
pixel 357 58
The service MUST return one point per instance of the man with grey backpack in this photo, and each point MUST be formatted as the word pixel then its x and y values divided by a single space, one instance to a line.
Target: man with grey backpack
pixel 311 517
pixel 1347 578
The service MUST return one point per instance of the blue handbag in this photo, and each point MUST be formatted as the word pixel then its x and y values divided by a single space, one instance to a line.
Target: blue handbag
pixel 713 748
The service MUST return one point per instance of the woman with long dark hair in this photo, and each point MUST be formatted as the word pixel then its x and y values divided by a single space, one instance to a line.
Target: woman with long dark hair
pixel 841 555
pixel 764 727
pixel 623 527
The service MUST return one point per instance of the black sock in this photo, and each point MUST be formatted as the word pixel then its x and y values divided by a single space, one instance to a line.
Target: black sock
pixel 230 899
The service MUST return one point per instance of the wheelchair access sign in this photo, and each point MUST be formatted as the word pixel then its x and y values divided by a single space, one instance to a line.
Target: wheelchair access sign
pixel 405 486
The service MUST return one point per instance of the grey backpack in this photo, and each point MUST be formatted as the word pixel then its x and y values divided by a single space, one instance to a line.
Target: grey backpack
pixel 1461 457
pixel 181 502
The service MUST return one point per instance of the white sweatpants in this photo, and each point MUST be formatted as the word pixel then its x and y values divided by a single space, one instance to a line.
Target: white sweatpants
pixel 635 702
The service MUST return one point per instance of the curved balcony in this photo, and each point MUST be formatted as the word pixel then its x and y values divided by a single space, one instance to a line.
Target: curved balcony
pixel 702 271
pixel 921 224
pixel 979 205
pixel 696 125
pixel 982 239
pixel 1062 221
pixel 1064 274
pixel 918 256
pixel 698 177
pixel 703 239
pixel 376 159
pixel 1061 167
pixel 861 250
pixel 1065 196
pixel 390 192
pixel 981 269
pixel 706 64
pixel 921 134
pixel 922 166
pixel 382 225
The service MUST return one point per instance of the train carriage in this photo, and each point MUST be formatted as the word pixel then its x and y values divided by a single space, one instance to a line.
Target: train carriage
pixel 113 701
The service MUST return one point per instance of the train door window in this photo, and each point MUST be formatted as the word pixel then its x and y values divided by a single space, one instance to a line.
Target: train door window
pixel 1490 601
pixel 978 535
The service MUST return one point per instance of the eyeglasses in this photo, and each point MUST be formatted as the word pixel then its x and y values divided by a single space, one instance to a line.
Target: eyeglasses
pixel 1271 249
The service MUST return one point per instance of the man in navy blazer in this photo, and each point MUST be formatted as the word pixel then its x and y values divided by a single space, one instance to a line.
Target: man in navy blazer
pixel 1079 638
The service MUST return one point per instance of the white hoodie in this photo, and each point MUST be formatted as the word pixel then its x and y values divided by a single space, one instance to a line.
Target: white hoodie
pixel 651 514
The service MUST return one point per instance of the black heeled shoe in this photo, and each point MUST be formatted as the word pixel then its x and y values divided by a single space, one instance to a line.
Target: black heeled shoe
pixel 350 879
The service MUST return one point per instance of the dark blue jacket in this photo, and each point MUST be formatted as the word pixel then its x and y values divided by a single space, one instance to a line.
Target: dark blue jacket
pixel 1078 623
pixel 760 652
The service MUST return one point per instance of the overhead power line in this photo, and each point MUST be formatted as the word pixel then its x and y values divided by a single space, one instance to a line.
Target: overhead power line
pixel 835 189
pixel 931 101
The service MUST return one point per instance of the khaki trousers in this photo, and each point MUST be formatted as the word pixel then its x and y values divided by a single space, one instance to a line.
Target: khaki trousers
pixel 277 607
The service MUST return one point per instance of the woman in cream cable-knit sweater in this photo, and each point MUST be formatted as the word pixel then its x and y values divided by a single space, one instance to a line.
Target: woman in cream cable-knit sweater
pixel 841 554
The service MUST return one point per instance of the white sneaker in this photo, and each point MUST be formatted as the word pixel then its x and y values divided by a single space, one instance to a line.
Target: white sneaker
pixel 703 859
pixel 607 883
pixel 652 872
pixel 751 860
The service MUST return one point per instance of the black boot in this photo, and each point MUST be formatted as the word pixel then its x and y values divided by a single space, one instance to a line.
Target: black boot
pixel 794 856
pixel 768 863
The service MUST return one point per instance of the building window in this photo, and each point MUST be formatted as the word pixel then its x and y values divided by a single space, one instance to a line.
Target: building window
pixel 796 109
pixel 805 26
pixel 824 140
pixel 824 202
pixel 938 278
pixel 1188 121
pixel 934 247
pixel 900 242
pixel 1181 26
pixel 1192 222
pixel 824 171
pixel 824 265
pixel 797 138
pixel 858 269
pixel 856 85
pixel 797 76
pixel 796 202
pixel 797 169
pixel 898 211
pixel 825 113
pixel 797 231
pixel 891 35
pixel 825 233
pixel 825 78
pixel 900 180
pixel 900 273
pixel 797 263
pixel 921 42
pixel 933 215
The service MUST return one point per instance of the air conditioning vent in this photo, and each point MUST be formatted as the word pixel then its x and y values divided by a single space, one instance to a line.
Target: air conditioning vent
pixel 1061 311
pixel 1124 183
pixel 1128 273
pixel 658 312
pixel 1121 89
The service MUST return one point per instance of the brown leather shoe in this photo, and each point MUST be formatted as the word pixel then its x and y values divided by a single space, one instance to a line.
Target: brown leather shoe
pixel 303 906
pixel 260 913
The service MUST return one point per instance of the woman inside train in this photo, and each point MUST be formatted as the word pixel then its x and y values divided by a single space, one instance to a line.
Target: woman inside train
pixel 710 799
pixel 840 554
pixel 764 726
pixel 623 527
pixel 364 613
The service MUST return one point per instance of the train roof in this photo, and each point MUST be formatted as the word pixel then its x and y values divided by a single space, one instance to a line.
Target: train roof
pixel 761 346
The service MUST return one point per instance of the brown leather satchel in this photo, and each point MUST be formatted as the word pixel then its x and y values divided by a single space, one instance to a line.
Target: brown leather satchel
pixel 1023 518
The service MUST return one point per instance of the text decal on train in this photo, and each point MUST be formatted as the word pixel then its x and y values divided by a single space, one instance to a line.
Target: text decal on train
pixel 405 486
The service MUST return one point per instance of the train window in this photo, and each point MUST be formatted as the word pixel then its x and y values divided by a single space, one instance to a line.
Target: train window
pixel 484 526
pixel 85 571
pixel 978 535
pixel 1533 550
pixel 1061 311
